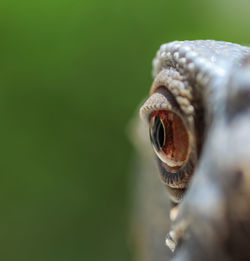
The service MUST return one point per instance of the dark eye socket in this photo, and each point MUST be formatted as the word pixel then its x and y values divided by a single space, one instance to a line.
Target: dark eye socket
pixel 169 138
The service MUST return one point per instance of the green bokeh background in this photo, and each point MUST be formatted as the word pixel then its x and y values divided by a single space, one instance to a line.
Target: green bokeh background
pixel 71 76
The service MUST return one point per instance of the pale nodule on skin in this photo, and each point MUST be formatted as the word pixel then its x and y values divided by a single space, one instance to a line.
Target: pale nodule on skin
pixel 200 94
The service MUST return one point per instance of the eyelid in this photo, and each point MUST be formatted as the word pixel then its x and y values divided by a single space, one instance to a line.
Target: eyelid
pixel 170 91
pixel 155 102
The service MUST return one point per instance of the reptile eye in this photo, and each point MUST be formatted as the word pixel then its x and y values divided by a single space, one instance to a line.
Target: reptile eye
pixel 169 138
pixel 172 122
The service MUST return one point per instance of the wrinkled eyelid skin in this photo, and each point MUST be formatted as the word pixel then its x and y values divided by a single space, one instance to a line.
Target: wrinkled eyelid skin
pixel 171 93
pixel 177 91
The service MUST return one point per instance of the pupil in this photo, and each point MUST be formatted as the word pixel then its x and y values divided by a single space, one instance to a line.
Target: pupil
pixel 160 136
pixel 158 133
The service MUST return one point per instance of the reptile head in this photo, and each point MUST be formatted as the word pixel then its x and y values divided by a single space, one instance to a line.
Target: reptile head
pixel 198 115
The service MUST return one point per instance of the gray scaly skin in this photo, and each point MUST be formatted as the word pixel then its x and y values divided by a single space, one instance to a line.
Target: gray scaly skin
pixel 210 83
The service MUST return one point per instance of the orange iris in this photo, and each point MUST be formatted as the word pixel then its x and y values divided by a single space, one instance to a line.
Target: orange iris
pixel 169 138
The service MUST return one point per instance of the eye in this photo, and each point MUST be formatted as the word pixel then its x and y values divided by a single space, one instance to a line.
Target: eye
pixel 169 138
pixel 172 132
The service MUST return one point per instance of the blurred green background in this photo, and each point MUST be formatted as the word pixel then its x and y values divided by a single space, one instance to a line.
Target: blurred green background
pixel 71 76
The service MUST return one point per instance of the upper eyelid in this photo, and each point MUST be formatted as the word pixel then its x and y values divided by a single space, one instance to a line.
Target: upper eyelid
pixel 177 87
pixel 157 101
pixel 162 99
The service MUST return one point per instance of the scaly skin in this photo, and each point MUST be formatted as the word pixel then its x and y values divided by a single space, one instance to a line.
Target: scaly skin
pixel 210 81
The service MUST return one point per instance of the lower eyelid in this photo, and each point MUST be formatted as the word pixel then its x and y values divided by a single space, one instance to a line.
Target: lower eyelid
pixel 180 178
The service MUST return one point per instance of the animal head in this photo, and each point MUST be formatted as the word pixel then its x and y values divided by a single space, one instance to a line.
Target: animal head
pixel 198 116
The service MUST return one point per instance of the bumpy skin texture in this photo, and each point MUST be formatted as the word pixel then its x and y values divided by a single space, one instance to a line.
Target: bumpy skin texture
pixel 213 91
